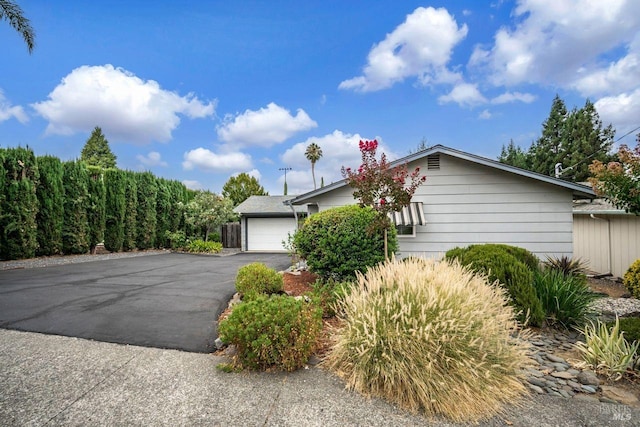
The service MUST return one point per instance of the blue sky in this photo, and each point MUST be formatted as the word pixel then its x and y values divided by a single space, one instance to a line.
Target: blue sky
pixel 200 91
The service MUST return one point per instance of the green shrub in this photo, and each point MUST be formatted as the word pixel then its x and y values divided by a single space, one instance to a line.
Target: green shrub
pixel 96 207
pixel 130 211
pixel 565 299
pixel 75 229
pixel 177 239
pixel 430 336
pixel 50 193
pixel 567 265
pixel 337 242
pixel 200 246
pixel 521 254
pixel 255 279
pixel 516 277
pixel 146 220
pixel 326 294
pixel 115 204
pixel 273 332
pixel 631 279
pixel 605 349
pixel 630 326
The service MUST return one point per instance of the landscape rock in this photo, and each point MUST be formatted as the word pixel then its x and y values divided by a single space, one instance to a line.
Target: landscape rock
pixel 619 395
pixel 588 378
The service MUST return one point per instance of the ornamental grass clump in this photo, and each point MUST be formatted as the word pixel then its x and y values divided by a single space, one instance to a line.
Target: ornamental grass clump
pixel 429 336
pixel 566 299
pixel 606 350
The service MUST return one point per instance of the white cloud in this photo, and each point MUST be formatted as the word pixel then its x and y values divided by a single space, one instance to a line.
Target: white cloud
pixel 558 41
pixel 485 115
pixel 420 47
pixel 255 173
pixel 338 149
pixel 508 97
pixel 126 107
pixel 192 184
pixel 265 127
pixel 8 111
pixel 152 159
pixel 464 94
pixel 622 110
pixel 207 160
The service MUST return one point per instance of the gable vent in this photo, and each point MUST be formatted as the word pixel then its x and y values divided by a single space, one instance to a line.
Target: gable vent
pixel 433 162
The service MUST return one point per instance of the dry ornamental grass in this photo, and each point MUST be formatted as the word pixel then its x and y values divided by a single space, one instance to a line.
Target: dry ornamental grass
pixel 430 336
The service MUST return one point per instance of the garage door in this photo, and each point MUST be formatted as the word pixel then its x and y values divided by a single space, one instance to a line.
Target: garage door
pixel 267 234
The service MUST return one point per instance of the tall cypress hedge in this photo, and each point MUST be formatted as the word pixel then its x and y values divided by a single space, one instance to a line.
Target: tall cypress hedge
pixel 19 231
pixel 115 203
pixel 96 207
pixel 50 193
pixel 75 230
pixel 146 215
pixel 163 210
pixel 130 211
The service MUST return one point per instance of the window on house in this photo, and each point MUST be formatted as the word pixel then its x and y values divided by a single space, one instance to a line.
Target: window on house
pixel 406 230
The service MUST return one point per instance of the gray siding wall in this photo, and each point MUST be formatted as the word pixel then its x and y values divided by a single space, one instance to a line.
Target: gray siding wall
pixel 610 243
pixel 467 203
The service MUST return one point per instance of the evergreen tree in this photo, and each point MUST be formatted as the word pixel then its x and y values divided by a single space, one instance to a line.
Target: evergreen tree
pixel 515 156
pixel 50 193
pixel 550 148
pixel 115 204
pixel 18 213
pixel 146 212
pixel 75 229
pixel 586 140
pixel 130 213
pixel 163 212
pixel 96 207
pixel 96 151
pixel 240 187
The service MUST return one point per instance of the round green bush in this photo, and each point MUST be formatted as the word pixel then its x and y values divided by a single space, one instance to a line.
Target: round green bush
pixel 631 279
pixel 273 332
pixel 255 279
pixel 429 336
pixel 498 264
pixel 338 242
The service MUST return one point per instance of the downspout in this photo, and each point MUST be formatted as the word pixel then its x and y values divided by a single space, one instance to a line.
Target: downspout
pixel 295 214
pixel 608 273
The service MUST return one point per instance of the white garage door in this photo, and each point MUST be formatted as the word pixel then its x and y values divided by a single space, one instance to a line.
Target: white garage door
pixel 267 234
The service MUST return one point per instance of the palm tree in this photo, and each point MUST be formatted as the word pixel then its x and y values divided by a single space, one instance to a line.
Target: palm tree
pixel 313 153
pixel 11 12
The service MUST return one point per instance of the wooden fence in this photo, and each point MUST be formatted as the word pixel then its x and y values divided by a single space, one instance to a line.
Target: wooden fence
pixel 231 235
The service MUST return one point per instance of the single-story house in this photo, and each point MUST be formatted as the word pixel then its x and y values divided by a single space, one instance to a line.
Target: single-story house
pixel 468 199
pixel 605 237
pixel 266 221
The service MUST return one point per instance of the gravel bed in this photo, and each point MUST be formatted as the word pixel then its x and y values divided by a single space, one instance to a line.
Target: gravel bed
pixel 620 306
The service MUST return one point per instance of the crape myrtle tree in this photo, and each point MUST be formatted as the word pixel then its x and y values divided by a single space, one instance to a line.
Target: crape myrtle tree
pixel 50 193
pixel 240 187
pixel 381 187
pixel 619 182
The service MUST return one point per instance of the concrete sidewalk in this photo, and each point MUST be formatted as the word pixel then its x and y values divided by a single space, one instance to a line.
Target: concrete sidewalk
pixel 52 380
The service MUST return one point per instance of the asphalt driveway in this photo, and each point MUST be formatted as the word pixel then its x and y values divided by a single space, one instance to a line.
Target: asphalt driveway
pixel 164 301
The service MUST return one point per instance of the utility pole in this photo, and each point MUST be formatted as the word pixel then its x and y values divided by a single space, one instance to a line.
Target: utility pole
pixel 285 178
